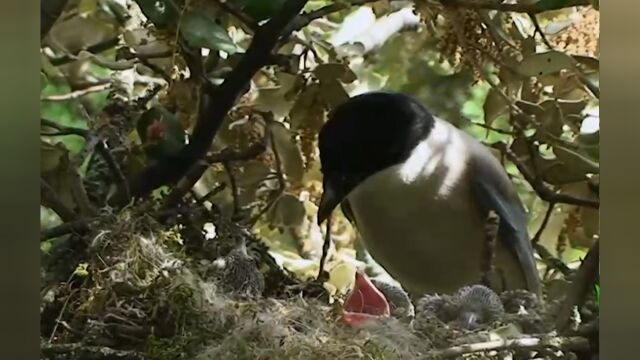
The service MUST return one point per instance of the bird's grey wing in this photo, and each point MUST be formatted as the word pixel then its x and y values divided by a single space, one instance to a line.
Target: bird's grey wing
pixel 494 191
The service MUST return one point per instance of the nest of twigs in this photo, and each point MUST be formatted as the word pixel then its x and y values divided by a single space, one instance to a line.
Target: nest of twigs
pixel 138 294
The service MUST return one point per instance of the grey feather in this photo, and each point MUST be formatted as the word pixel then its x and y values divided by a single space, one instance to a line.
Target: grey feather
pixel 494 191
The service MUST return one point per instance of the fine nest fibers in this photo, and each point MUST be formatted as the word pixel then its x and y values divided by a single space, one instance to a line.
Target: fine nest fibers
pixel 138 291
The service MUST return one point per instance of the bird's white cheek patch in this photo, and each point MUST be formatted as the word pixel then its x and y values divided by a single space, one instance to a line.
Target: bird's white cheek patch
pixel 444 153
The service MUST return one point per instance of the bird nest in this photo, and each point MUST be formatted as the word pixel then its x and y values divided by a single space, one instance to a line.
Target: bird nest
pixel 137 294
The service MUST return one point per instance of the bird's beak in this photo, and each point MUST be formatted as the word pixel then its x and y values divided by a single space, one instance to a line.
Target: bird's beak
pixel 468 320
pixel 331 197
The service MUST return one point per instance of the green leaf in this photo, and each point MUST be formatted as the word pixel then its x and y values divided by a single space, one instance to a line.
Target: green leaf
pixel 288 211
pixel 544 5
pixel 261 9
pixel 597 290
pixel 540 64
pixel 289 150
pixel 494 106
pixel 201 31
pixel 161 13
pixel 576 160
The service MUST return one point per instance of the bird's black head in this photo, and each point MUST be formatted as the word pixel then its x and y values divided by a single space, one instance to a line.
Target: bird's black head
pixel 366 134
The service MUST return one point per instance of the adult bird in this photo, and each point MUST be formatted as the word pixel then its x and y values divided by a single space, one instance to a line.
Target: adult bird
pixel 419 190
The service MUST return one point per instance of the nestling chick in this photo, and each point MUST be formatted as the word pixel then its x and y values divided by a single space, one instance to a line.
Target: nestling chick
pixel 477 305
pixel 399 301
pixel 239 274
pixel 469 308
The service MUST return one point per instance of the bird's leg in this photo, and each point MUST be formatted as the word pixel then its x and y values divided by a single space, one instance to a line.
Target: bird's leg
pixel 492 224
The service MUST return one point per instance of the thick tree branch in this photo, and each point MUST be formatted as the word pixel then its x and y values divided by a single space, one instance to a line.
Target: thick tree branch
pixel 520 7
pixel 50 11
pixel 216 102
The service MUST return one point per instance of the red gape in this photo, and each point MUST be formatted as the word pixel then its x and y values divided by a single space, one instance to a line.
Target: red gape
pixel 365 303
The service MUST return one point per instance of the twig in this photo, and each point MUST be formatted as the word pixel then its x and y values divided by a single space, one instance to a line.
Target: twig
pixel 156 69
pixel 251 152
pixel 524 343
pixel 194 174
pixel 279 177
pixel 82 351
pixel 538 30
pixel 305 19
pixel 492 224
pixel 59 318
pixel 551 261
pixel 234 188
pixel 50 11
pixel 94 49
pixel 81 226
pixel 584 280
pixel 543 191
pixel 62 130
pixel 115 170
pixel 530 8
pixel 485 126
pixel 213 192
pixel 545 222
pixel 78 93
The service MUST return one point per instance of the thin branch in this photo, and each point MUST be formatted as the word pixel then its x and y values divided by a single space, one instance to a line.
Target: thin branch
pixel 114 168
pixel 78 93
pixel 50 11
pixel 94 49
pixel 551 261
pixel 544 191
pixel 251 152
pixel 234 188
pixel 62 130
pixel 282 185
pixel 520 7
pixel 194 174
pixel 81 226
pixel 213 192
pixel 83 351
pixel 524 343
pixel 216 103
pixel 536 25
pixel 584 280
pixel 305 19
pixel 545 222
